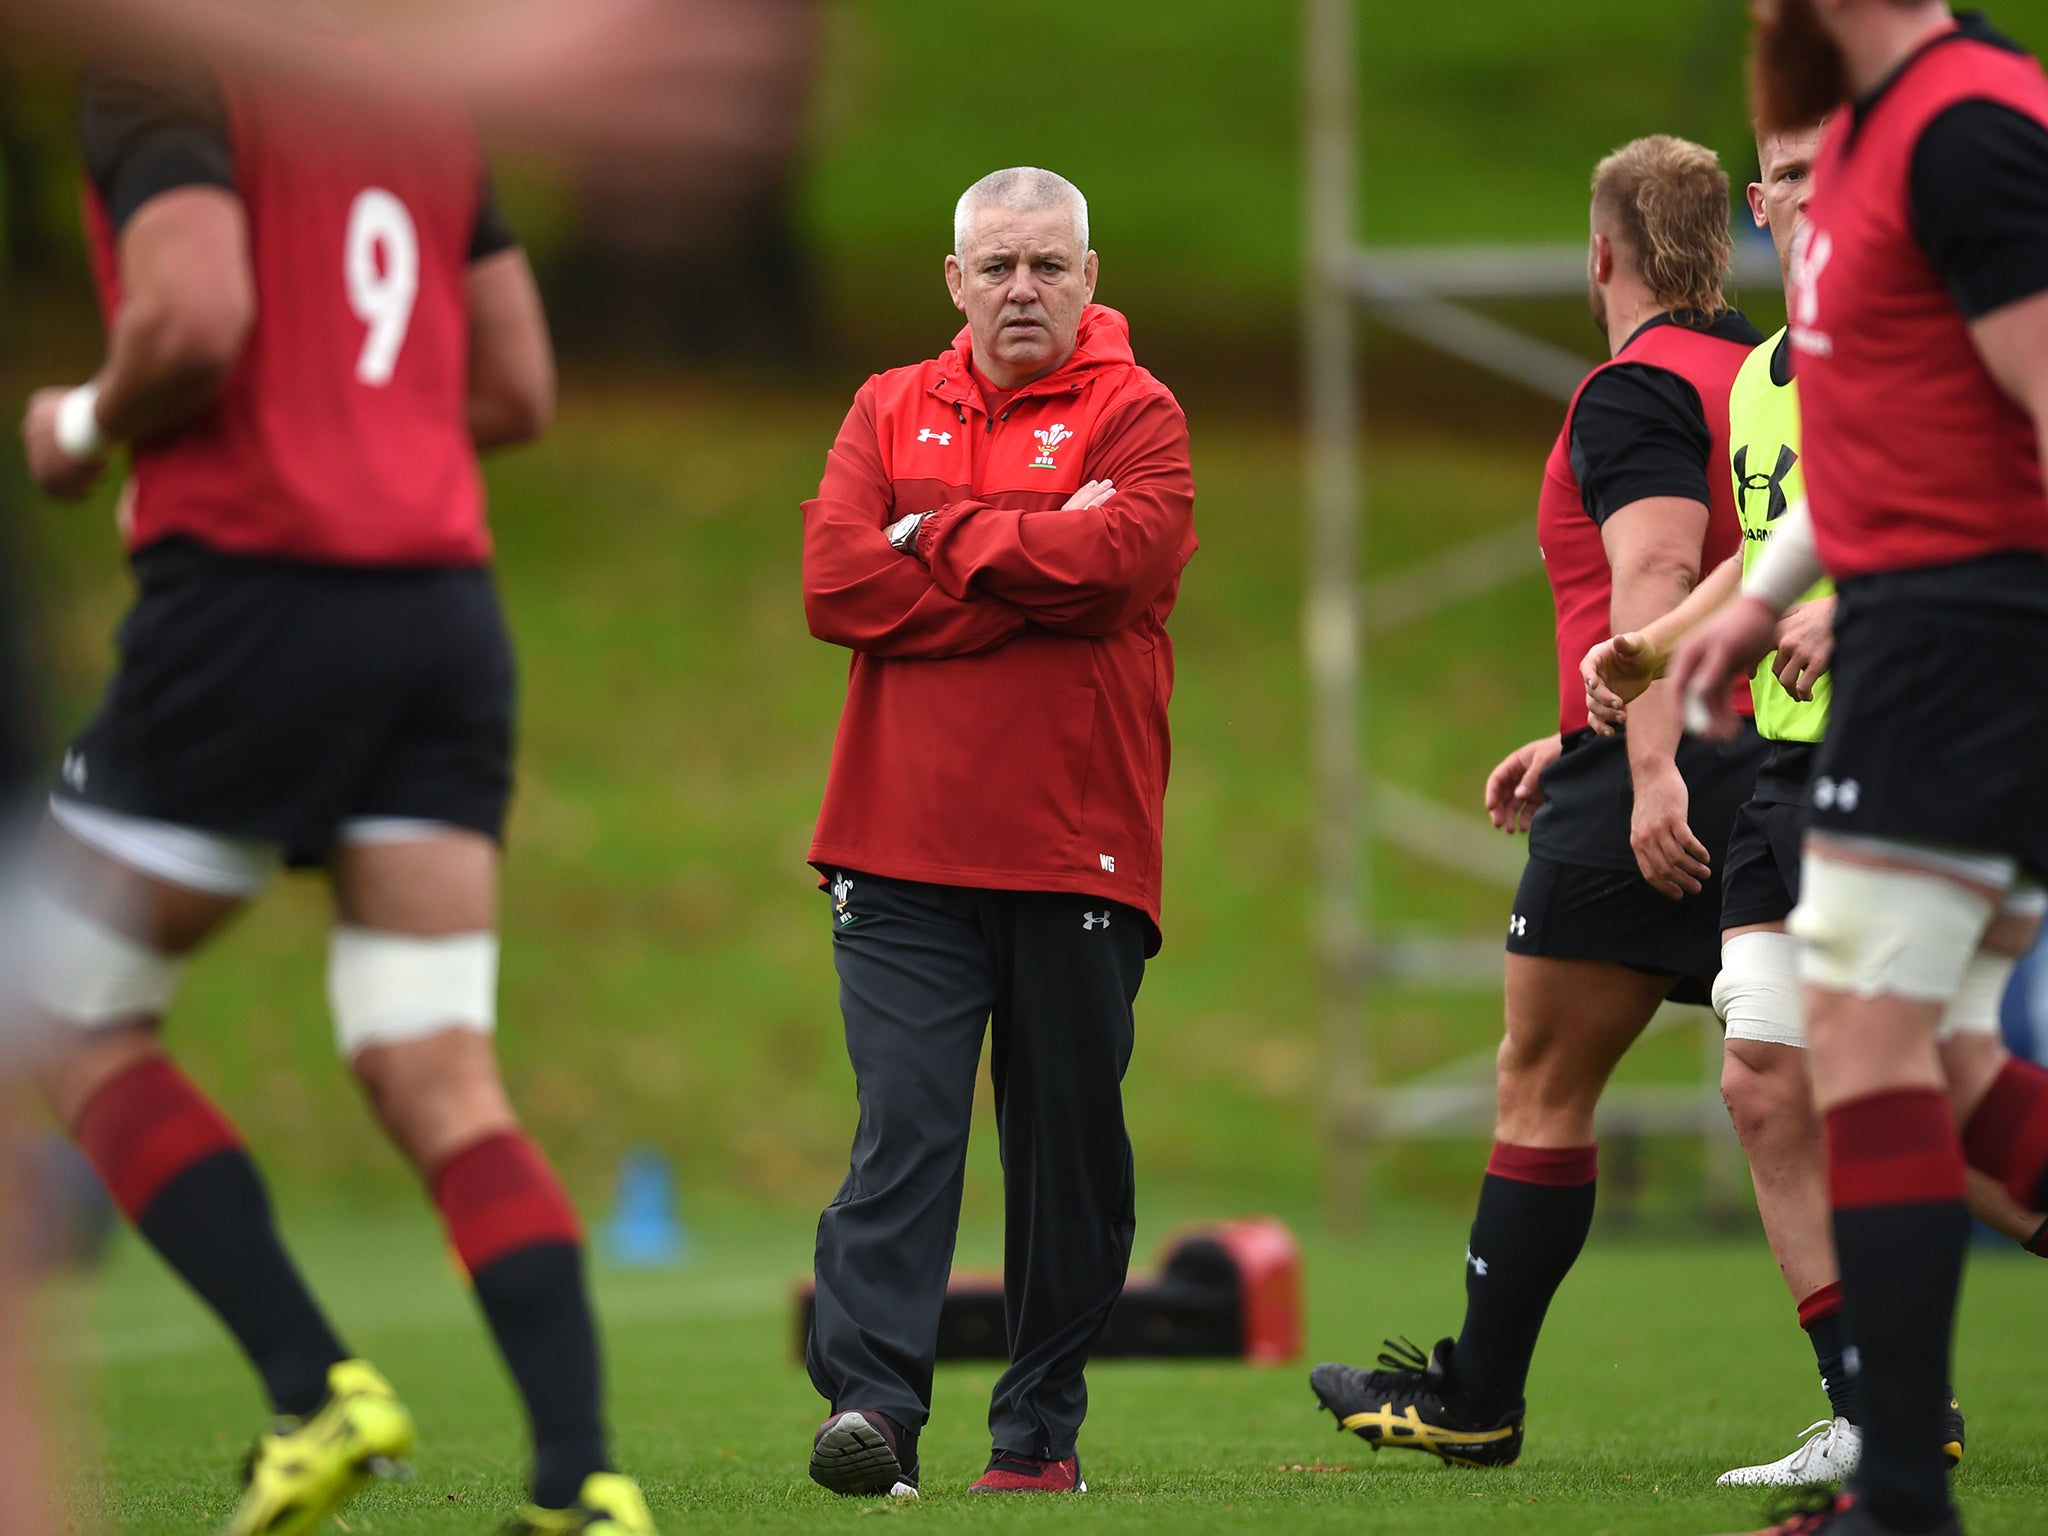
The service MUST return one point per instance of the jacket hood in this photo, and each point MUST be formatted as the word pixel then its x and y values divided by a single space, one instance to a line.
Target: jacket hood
pixel 1104 341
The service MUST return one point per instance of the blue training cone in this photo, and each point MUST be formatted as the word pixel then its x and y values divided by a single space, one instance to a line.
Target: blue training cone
pixel 644 1231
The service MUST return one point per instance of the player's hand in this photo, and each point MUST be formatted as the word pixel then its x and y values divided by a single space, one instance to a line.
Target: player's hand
pixel 1093 494
pixel 1673 860
pixel 1806 646
pixel 1727 647
pixel 1614 672
pixel 1513 790
pixel 54 469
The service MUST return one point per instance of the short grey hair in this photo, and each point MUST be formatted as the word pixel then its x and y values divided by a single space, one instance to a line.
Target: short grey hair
pixel 1020 189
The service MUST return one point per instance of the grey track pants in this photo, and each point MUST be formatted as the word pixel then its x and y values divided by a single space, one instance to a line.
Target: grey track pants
pixel 923 969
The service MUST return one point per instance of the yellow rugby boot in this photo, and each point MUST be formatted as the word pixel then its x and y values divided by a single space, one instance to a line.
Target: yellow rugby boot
pixel 607 1505
pixel 302 1470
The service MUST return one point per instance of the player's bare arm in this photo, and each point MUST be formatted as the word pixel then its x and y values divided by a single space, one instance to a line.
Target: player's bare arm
pixel 511 358
pixel 1735 640
pixel 1653 546
pixel 1618 669
pixel 188 300
pixel 2013 341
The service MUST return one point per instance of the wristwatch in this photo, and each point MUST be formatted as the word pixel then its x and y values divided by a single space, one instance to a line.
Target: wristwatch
pixel 902 533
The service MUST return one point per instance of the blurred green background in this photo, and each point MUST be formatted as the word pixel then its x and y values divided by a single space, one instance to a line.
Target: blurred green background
pixel 667 976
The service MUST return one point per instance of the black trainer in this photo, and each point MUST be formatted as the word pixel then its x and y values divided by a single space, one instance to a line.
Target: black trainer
pixel 1402 1405
pixel 1952 1430
pixel 867 1453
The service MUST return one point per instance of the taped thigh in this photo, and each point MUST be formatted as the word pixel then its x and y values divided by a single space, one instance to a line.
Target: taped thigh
pixel 87 974
pixel 1978 1001
pixel 387 988
pixel 1887 932
pixel 1757 992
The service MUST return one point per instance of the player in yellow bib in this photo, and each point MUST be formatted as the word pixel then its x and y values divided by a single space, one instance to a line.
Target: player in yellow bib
pixel 1757 995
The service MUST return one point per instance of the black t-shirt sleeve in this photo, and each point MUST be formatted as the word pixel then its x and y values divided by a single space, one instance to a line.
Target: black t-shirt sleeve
pixel 1980 204
pixel 146 133
pixel 1639 431
pixel 491 234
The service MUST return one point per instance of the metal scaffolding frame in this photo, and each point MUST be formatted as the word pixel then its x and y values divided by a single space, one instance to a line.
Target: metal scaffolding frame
pixel 1415 292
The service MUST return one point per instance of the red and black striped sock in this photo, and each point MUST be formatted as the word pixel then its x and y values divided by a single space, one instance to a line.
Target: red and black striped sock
pixel 2007 1134
pixel 171 1161
pixel 1820 1314
pixel 1535 1209
pixel 1896 1181
pixel 515 1231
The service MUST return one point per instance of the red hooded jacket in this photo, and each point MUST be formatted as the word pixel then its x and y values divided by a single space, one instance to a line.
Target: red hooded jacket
pixel 1005 720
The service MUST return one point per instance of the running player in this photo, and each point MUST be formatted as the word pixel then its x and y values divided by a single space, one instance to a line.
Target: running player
pixel 1764 1077
pixel 1920 319
pixel 1619 907
pixel 316 319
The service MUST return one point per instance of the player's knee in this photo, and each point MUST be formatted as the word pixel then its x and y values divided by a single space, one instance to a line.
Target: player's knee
pixel 1886 931
pixel 1766 1089
pixel 1542 1088
pixel 1756 993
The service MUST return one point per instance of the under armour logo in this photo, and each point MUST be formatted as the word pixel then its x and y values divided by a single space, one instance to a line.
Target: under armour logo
pixel 927 435
pixel 1092 920
pixel 1478 1264
pixel 1774 482
pixel 73 771
pixel 1518 925
pixel 1836 794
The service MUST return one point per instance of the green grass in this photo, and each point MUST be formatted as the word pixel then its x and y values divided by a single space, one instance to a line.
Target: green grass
pixel 1666 1361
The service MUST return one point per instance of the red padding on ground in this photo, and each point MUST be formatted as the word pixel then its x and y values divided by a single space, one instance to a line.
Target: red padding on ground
pixel 145 1127
pixel 1269 1287
pixel 1821 1304
pixel 1559 1167
pixel 1895 1148
pixel 499 1195
pixel 2007 1136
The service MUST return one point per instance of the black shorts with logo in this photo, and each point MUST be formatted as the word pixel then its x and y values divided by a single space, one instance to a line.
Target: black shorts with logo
pixel 1939 728
pixel 1582 896
pixel 1761 881
pixel 274 700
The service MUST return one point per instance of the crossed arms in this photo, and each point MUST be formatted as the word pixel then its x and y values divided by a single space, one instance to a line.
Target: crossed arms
pixel 978 575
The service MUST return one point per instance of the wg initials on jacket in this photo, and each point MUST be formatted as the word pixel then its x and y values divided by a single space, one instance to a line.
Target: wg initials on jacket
pixel 998 539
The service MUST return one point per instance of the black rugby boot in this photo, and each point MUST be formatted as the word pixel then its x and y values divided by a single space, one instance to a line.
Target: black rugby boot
pixel 1406 1405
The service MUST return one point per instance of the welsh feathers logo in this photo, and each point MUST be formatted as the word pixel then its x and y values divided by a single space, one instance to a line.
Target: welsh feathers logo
pixel 842 892
pixel 1049 438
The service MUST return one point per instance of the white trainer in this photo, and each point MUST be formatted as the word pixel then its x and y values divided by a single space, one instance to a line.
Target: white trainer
pixel 1828 1453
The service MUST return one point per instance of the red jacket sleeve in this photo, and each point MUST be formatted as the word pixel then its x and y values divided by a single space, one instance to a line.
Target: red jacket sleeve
pixel 862 593
pixel 1091 572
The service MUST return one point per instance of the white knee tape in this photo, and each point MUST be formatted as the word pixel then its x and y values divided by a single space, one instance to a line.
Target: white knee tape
pixel 1886 932
pixel 87 975
pixel 1757 992
pixel 385 988
pixel 1974 1008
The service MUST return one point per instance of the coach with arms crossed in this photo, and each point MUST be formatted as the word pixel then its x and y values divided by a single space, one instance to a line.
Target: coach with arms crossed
pixel 998 540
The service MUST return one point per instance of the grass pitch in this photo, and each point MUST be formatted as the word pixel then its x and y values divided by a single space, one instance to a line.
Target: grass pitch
pixel 1667 1360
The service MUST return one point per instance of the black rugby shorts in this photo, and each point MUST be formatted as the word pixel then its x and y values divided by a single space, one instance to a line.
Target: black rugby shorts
pixel 1582 896
pixel 1761 881
pixel 275 701
pixel 1939 727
